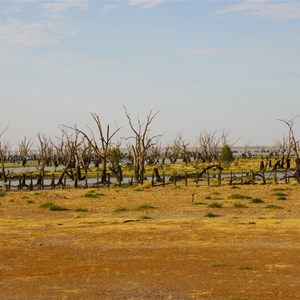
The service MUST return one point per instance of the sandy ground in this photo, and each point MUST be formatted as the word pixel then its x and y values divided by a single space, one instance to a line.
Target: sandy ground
pixel 169 251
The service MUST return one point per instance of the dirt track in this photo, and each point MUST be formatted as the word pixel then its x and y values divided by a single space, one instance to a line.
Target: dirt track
pixel 170 251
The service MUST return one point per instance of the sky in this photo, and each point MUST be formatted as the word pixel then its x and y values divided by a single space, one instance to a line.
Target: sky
pixel 204 65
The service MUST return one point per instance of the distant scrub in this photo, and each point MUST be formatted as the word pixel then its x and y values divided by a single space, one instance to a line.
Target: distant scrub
pixel 239 196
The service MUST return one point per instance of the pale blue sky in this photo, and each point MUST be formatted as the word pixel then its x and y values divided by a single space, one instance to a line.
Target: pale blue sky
pixel 203 64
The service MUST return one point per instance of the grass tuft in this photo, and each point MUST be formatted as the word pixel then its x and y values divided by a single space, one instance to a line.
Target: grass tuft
pixel 121 209
pixel 211 215
pixel 79 209
pixel 239 205
pixel 239 196
pixel 257 200
pixel 279 194
pixel 217 265
pixel 143 207
pixel 272 206
pixel 92 195
pixel 53 207
pixel 215 205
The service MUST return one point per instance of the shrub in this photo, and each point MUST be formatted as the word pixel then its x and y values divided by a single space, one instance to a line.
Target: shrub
pixel 46 205
pixel 272 206
pixel 53 207
pixel 215 205
pixel 226 154
pixel 239 196
pixel 92 195
pixel 2 194
pixel 30 202
pixel 198 203
pixel 257 200
pixel 210 215
pixel 282 198
pixel 280 194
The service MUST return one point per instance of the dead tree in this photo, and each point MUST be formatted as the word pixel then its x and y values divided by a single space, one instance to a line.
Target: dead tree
pixel 24 148
pixel 4 149
pixel 101 149
pixel 207 146
pixel 143 141
pixel 66 153
pixel 292 145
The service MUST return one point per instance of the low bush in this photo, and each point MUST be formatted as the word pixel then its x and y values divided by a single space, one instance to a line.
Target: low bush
pixel 210 215
pixel 239 196
pixel 215 205
pixel 53 207
pixel 257 200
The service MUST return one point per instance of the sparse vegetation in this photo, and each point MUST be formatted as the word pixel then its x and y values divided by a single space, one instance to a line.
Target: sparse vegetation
pixel 217 265
pixel 79 209
pixel 211 215
pixel 215 205
pixel 145 217
pixel 53 207
pixel 280 194
pixel 257 200
pixel 239 196
pixel 92 195
pixel 272 206
pixel 143 207
pixel 239 205
pixel 243 267
pixel 121 209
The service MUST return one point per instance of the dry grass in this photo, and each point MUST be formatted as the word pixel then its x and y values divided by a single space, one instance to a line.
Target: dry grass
pixel 157 248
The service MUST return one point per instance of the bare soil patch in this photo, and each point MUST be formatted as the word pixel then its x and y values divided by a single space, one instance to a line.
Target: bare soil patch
pixel 151 243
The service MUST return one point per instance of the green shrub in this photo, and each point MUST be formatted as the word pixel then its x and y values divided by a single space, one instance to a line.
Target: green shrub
pixel 239 196
pixel 198 203
pixel 30 202
pixel 53 207
pixel 90 195
pixel 46 205
pixel 210 215
pixel 257 200
pixel 280 194
pixel 2 194
pixel 272 206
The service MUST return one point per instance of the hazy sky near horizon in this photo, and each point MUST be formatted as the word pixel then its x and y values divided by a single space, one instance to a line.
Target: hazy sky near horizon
pixel 203 64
